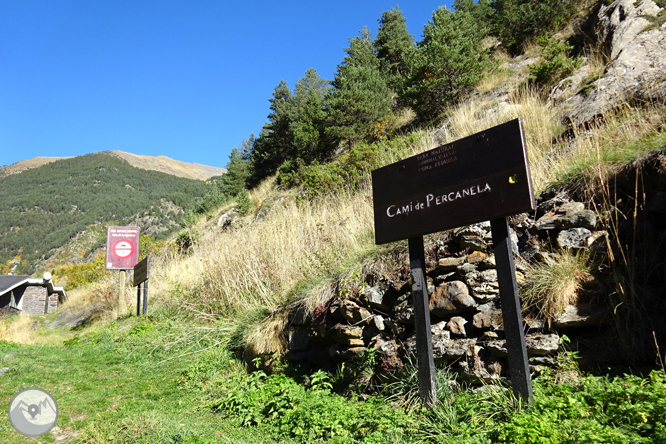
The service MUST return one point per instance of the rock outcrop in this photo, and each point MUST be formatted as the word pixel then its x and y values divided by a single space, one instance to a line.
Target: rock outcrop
pixel 635 43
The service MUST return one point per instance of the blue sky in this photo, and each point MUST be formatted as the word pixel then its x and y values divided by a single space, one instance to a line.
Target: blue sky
pixel 184 79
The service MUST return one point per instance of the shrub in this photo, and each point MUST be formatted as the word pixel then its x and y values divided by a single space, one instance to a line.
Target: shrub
pixel 557 64
pixel 516 21
pixel 89 272
pixel 185 240
pixel 213 198
pixel 288 173
pixel 243 203
pixel 350 169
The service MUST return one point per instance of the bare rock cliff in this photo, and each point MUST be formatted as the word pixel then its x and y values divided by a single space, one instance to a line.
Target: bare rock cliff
pixel 632 34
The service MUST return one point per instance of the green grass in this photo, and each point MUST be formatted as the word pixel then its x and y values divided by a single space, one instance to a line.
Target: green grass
pixel 162 379
pixel 606 152
pixel 112 386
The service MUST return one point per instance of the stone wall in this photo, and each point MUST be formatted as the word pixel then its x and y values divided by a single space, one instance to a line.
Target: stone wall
pixel 37 302
pixel 466 317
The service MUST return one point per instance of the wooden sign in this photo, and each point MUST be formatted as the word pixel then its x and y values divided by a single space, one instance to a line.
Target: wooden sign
pixel 481 177
pixel 141 276
pixel 141 271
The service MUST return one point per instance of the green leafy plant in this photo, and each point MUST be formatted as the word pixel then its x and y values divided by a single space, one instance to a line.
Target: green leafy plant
pixel 243 203
pixel 293 412
pixel 557 64
pixel 517 21
pixel 320 380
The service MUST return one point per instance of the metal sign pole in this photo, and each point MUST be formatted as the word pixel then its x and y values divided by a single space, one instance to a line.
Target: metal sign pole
pixel 121 295
pixel 511 315
pixel 138 300
pixel 427 388
pixel 145 297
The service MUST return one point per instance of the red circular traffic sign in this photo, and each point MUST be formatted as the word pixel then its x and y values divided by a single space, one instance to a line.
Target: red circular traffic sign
pixel 123 249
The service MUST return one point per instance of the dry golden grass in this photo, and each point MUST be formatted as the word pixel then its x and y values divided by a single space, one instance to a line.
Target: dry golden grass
pixel 103 294
pixel 258 263
pixel 555 283
pixel 264 190
pixel 540 120
pixel 494 79
pixel 17 329
pixel 531 49
pixel 593 155
pixel 404 118
pixel 500 75
pixel 596 59
pixel 267 338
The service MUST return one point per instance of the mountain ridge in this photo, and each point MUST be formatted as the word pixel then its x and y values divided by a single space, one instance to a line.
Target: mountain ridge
pixel 45 207
pixel 167 165
pixel 159 163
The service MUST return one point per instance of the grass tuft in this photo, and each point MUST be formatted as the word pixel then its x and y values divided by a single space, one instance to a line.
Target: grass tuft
pixel 555 283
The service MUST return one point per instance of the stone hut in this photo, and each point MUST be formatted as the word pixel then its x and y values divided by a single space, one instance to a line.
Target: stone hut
pixel 36 296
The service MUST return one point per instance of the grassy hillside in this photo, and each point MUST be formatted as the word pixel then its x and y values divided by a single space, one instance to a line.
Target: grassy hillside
pixel 220 306
pixel 43 208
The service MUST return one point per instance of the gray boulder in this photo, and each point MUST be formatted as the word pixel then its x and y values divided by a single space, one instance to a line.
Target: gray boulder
pixel 574 238
pixel 580 315
pixel 637 65
pixel 540 344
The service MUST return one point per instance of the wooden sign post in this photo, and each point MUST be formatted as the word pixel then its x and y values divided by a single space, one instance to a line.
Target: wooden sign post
pixel 481 177
pixel 424 358
pixel 511 315
pixel 141 276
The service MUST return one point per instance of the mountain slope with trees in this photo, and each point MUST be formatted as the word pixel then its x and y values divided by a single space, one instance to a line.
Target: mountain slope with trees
pixel 390 85
pixel 43 208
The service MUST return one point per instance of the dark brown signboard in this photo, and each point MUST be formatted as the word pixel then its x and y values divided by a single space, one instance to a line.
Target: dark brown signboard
pixel 481 177
pixel 141 271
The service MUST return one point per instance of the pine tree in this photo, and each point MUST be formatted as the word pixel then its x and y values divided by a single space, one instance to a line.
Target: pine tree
pixel 238 169
pixel 360 95
pixel 272 147
pixel 448 64
pixel 309 119
pixel 480 9
pixel 393 43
